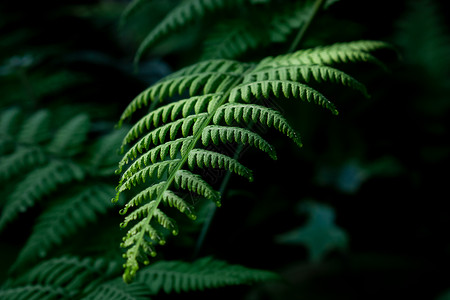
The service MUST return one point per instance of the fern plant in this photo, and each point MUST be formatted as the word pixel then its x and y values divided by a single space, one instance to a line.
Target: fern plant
pixel 245 25
pixel 193 121
pixel 220 100
pixel 71 277
pixel 56 171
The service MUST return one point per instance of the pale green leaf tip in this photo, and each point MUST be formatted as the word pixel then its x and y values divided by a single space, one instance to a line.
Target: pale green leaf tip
pixel 128 276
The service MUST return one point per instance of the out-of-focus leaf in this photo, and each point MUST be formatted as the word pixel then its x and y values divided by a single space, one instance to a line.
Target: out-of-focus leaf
pixel 319 235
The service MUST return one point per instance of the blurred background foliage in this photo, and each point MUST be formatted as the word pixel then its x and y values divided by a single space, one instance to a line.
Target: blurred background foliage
pixel 359 213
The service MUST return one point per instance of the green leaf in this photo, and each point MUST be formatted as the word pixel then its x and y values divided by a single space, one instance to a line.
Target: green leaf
pixel 205 273
pixel 264 89
pixel 63 219
pixel 319 235
pixel 37 184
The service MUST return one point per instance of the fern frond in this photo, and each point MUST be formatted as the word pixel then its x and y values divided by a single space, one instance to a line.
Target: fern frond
pixel 218 97
pixel 194 183
pixel 137 174
pixel 23 158
pixel 280 88
pixel 183 179
pixel 168 197
pixel 70 136
pixel 246 113
pixel 423 34
pixel 231 39
pixel 103 155
pixel 117 290
pixel 63 276
pixel 217 134
pixel 132 6
pixel 359 51
pixel 9 122
pixel 36 128
pixel 62 220
pixel 185 107
pixel 38 183
pixel 290 17
pixel 160 152
pixel 182 15
pixel 41 292
pixel 202 78
pixel 205 273
pixel 170 130
pixel 210 159
pixel 307 74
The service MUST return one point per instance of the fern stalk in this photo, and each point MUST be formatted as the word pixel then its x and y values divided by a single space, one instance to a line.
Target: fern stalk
pixel 301 33
pixel 212 207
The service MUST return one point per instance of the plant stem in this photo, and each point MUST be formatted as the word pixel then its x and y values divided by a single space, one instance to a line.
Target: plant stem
pixel 301 33
pixel 212 207
pixel 211 212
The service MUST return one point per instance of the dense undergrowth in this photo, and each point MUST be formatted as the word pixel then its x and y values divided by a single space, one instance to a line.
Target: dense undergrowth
pixel 358 212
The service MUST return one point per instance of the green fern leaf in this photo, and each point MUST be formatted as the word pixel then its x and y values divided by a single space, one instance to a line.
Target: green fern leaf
pixel 103 155
pixel 223 134
pixel 185 107
pixel 205 273
pixel 209 159
pixel 118 290
pixel 290 17
pixel 424 37
pixel 183 179
pixel 280 88
pixel 40 292
pixel 247 113
pixel 183 14
pixel 205 77
pixel 159 135
pixel 36 128
pixel 68 138
pixel 171 148
pixel 194 183
pixel 9 122
pixel 65 276
pixel 175 139
pixel 62 220
pixel 137 174
pixel 339 53
pixel 36 185
pixel 307 74
pixel 20 160
pixel 231 39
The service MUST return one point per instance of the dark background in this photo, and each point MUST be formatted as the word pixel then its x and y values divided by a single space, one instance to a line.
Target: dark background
pixel 381 164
